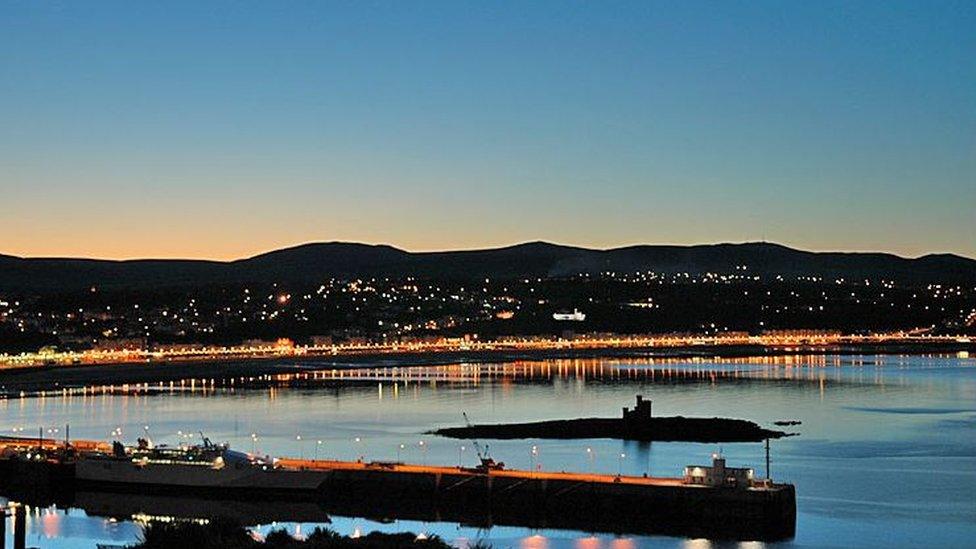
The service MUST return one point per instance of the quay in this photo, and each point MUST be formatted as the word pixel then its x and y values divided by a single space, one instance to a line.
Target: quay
pixel 713 501
pixel 757 510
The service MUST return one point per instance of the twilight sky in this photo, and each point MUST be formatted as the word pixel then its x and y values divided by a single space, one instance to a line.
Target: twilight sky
pixel 223 129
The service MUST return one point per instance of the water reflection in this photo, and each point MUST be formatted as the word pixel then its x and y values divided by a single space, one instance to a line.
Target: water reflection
pixel 49 526
pixel 819 369
pixel 887 448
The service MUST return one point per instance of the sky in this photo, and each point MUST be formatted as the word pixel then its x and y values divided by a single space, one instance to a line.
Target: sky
pixel 224 129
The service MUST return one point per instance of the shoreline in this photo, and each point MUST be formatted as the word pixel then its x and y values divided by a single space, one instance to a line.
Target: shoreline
pixel 47 377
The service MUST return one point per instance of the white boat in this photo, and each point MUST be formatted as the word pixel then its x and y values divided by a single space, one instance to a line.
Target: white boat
pixel 182 469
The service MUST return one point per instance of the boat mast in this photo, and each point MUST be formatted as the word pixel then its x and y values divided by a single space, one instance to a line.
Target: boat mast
pixel 767 460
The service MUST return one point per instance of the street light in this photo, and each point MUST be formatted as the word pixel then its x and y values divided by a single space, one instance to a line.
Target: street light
pixel 183 438
pixel 254 444
pixel 423 449
pixel 362 456
pixel 532 455
pixel 301 446
pixel 460 450
pixel 591 457
pixel 400 449
pixel 620 464
pixel 318 444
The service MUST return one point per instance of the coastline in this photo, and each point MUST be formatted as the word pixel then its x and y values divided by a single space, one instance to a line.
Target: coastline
pixel 47 377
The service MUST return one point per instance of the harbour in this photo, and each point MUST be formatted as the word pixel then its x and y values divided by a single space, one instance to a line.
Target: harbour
pixel 840 400
pixel 711 500
pixel 469 275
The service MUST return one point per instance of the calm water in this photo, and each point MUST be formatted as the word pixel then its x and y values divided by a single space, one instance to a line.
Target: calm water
pixel 886 456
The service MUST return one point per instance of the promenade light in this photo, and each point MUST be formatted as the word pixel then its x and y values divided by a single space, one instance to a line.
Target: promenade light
pixel 362 453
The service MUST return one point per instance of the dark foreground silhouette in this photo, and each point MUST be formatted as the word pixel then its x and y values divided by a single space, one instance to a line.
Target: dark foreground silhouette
pixel 229 534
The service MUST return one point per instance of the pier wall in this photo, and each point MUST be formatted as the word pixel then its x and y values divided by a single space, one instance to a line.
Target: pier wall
pixel 580 505
pixel 509 498
pixel 518 499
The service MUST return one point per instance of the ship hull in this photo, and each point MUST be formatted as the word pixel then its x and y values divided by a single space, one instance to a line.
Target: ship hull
pixel 182 478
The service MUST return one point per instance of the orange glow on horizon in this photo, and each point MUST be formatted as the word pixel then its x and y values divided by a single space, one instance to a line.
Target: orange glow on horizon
pixel 213 249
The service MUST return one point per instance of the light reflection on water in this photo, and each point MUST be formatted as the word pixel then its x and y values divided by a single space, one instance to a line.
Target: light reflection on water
pixel 887 455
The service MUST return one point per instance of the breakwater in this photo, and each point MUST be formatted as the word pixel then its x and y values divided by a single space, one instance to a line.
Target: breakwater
pixel 472 496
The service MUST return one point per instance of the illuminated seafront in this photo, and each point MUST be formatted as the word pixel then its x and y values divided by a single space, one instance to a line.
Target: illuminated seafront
pixel 786 342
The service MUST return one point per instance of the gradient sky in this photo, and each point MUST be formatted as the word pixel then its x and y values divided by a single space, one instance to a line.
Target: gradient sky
pixel 223 129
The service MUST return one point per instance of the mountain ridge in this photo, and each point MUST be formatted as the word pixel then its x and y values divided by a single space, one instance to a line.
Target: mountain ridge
pixel 313 261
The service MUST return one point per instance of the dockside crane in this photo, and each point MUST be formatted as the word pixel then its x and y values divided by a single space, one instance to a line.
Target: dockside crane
pixel 486 463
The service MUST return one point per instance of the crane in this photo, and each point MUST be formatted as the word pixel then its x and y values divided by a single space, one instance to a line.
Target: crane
pixel 487 462
pixel 484 454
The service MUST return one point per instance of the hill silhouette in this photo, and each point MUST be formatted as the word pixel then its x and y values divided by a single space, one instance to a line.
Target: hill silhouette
pixel 311 263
